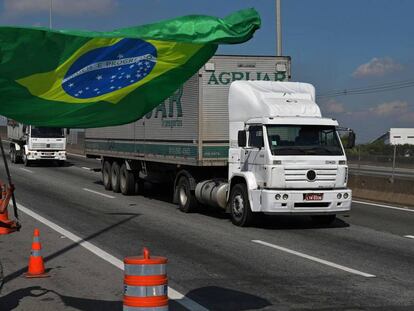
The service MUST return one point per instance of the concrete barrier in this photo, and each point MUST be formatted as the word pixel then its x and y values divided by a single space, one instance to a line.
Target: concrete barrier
pixel 382 189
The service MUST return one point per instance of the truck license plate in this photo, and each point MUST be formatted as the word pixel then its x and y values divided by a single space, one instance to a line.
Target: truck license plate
pixel 313 196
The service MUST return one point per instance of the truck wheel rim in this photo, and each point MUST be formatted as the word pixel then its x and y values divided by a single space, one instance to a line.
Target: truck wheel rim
pixel 238 206
pixel 183 196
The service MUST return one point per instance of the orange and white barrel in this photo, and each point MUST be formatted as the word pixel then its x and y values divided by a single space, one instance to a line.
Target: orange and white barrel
pixel 145 283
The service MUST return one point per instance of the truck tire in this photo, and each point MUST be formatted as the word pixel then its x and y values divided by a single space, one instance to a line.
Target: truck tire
pixel 115 177
pixel 106 175
pixel 12 155
pixel 240 211
pixel 187 201
pixel 324 220
pixel 127 181
pixel 26 161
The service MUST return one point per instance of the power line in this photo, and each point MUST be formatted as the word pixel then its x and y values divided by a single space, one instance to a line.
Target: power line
pixel 383 87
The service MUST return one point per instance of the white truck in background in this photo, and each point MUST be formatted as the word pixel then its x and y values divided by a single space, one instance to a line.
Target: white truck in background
pixel 245 146
pixel 30 144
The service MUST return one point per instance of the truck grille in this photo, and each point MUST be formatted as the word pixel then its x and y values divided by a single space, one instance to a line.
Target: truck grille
pixel 322 174
pixel 47 146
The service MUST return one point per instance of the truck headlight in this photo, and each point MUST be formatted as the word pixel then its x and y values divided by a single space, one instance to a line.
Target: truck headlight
pixel 277 196
pixel 339 196
pixel 346 195
pixel 285 197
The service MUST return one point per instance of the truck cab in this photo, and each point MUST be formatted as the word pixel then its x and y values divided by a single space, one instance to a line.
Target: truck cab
pixel 30 143
pixel 284 158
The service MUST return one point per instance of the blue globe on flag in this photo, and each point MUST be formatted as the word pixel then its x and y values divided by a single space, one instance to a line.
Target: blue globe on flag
pixel 108 69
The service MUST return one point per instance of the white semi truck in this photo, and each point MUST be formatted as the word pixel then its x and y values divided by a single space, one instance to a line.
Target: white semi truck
pixel 30 144
pixel 244 146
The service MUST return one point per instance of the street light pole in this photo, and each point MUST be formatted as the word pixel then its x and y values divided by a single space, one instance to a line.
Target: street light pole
pixel 50 14
pixel 278 29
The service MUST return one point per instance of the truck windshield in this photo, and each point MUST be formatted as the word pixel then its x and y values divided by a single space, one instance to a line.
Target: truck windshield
pixel 46 132
pixel 303 140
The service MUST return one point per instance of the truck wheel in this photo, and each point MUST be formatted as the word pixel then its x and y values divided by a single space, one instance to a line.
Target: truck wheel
pixel 115 177
pixel 187 202
pixel 26 161
pixel 241 214
pixel 127 181
pixel 13 155
pixel 323 219
pixel 106 175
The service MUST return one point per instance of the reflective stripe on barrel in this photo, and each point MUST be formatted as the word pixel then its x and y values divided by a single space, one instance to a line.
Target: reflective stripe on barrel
pixel 138 270
pixel 146 291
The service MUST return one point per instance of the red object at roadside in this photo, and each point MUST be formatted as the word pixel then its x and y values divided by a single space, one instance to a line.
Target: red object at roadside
pixel 6 225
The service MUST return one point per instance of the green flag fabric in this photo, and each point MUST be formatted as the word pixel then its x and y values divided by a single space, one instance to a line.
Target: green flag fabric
pixel 80 79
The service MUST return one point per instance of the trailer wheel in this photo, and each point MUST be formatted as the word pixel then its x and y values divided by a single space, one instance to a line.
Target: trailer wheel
pixel 324 220
pixel 115 177
pixel 106 175
pixel 127 181
pixel 187 202
pixel 241 213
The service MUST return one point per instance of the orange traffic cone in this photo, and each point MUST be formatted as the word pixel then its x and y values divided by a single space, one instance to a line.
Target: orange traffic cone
pixel 6 225
pixel 36 265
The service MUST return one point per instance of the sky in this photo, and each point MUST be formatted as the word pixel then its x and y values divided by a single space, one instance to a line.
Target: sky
pixel 335 45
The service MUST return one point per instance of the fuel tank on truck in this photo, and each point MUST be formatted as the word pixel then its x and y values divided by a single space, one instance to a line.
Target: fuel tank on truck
pixel 212 193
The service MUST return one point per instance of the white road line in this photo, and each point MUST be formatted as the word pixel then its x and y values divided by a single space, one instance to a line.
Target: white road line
pixel 409 236
pixel 86 168
pixel 26 170
pixel 383 205
pixel 102 194
pixel 322 261
pixel 172 293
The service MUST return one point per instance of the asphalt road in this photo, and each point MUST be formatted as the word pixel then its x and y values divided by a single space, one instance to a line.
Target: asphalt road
pixel 361 262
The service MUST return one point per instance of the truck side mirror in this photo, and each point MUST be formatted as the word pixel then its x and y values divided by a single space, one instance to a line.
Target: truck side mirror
pixel 351 140
pixel 241 138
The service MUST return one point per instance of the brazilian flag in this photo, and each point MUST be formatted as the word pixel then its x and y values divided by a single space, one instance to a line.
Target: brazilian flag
pixel 81 79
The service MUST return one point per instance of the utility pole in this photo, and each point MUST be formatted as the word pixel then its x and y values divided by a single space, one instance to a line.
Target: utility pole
pixel 50 14
pixel 278 30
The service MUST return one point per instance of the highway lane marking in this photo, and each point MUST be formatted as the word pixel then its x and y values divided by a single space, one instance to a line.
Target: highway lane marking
pixel 322 261
pixel 26 170
pixel 86 168
pixel 409 236
pixel 172 293
pixel 99 193
pixel 386 206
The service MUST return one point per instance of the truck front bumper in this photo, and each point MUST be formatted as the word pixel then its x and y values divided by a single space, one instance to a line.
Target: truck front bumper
pixel 46 155
pixel 293 202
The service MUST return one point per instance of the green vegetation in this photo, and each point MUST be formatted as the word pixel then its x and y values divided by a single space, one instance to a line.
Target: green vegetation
pixel 381 149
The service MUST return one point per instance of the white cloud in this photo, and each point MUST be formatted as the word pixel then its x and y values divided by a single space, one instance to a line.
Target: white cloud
pixel 377 67
pixel 61 7
pixel 333 106
pixel 390 108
